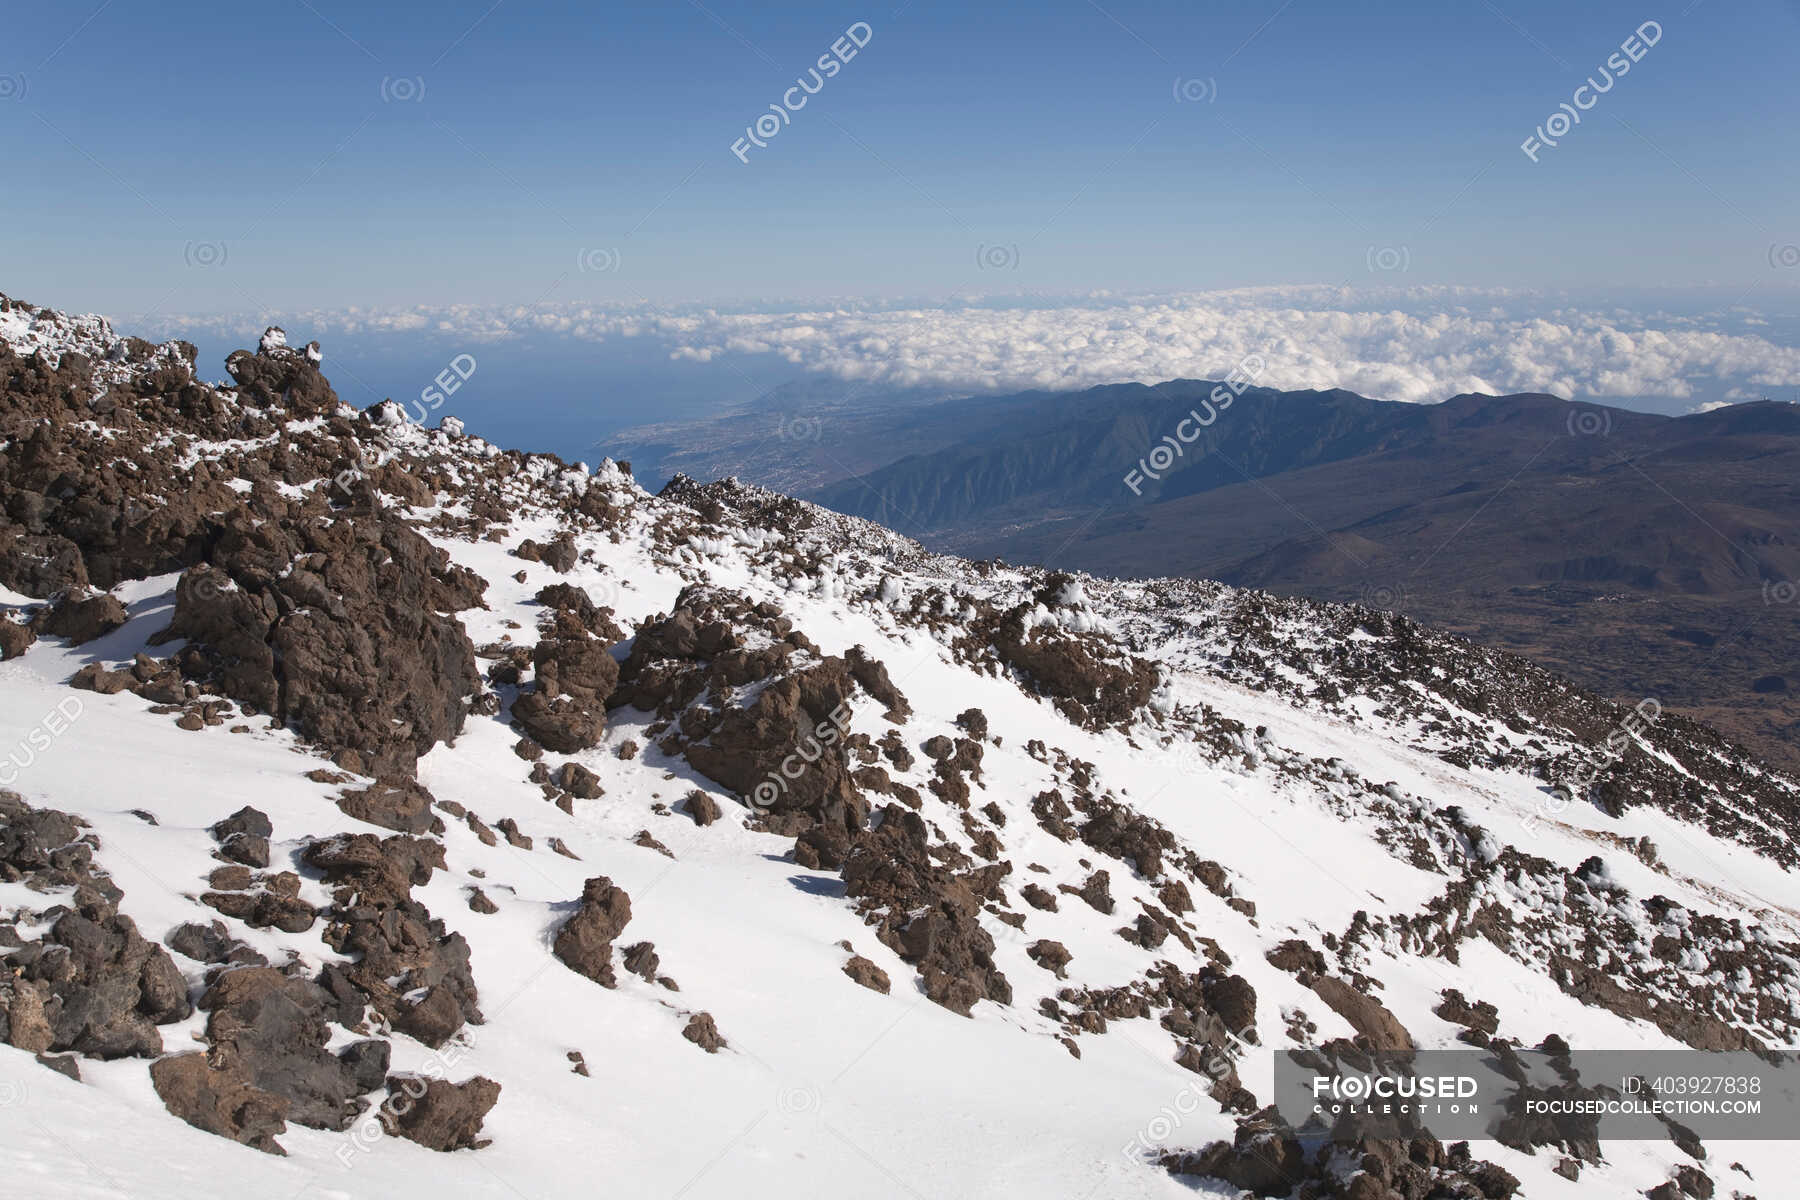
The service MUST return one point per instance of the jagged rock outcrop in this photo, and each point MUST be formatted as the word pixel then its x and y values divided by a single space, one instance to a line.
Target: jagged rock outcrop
pixel 277 376
pixel 91 983
pixel 1266 1158
pixel 785 750
pixel 267 1033
pixel 926 913
pixel 335 625
pixel 410 968
pixel 575 672
pixel 1045 643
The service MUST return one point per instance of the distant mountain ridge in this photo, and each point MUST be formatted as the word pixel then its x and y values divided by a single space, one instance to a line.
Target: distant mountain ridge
pixel 1069 449
pixel 1641 554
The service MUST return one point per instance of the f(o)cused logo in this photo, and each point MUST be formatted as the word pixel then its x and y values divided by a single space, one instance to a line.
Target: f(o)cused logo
pixel 1195 91
pixel 799 429
pixel 402 89
pixel 204 254
pixel 1388 597
pixel 1190 760
pixel 1389 258
pixel 202 587
pixel 798 1100
pixel 1590 422
pixel 997 257
pixel 602 260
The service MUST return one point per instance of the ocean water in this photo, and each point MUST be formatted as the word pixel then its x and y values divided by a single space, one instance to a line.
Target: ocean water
pixel 556 395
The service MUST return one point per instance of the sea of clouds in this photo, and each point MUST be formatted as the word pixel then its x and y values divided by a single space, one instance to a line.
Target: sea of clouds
pixel 1419 344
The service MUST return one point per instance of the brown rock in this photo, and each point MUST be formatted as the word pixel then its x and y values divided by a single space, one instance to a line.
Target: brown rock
pixel 15 638
pixel 559 723
pixel 1366 1014
pixel 1097 891
pixel 642 960
pixel 1175 897
pixel 30 1027
pixel 648 842
pixel 400 804
pixel 1298 958
pixel 247 849
pixel 335 625
pixel 219 1101
pixel 579 782
pixel 1052 956
pixel 164 687
pixel 704 1033
pixel 84 618
pixel 62 1064
pixel 230 879
pixel 1233 1000
pixel 701 808
pixel 1458 1011
pixel 433 1019
pixel 96 678
pixel 585 941
pixel 438 1114
pixel 865 972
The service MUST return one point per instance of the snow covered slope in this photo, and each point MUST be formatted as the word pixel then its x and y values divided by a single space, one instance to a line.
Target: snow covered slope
pixel 752 851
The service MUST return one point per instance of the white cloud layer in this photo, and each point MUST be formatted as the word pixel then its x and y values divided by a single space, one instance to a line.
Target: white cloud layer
pixel 1414 344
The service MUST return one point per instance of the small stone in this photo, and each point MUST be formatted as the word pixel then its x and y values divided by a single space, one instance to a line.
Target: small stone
pixel 702 808
pixel 704 1033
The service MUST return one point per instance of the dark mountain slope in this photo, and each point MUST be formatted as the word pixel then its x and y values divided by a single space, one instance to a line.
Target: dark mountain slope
pixel 1641 554
pixel 1074 450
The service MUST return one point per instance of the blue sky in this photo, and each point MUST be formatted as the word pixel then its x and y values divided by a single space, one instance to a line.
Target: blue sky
pixel 990 148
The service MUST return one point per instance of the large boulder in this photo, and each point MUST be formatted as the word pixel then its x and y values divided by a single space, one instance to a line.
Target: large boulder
pixel 1367 1015
pixel 403 805
pixel 438 1114
pixel 585 941
pixel 219 1101
pixel 82 617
